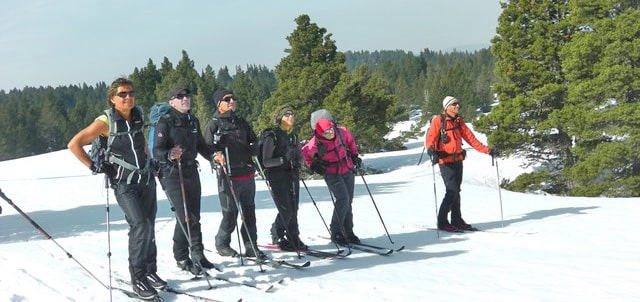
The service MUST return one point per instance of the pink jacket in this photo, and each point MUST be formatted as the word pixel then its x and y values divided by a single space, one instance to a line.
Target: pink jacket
pixel 337 155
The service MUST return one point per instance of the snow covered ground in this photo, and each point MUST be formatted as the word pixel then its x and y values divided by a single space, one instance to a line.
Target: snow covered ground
pixel 546 248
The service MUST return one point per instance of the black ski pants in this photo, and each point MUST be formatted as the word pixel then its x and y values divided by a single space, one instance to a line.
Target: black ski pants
pixel 285 190
pixel 341 186
pixel 139 204
pixel 192 189
pixel 452 176
pixel 245 191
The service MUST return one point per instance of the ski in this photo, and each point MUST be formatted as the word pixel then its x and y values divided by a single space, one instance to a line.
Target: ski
pixel 459 231
pixel 268 288
pixel 374 249
pixel 279 263
pixel 368 249
pixel 169 289
pixel 195 297
pixel 474 229
pixel 380 247
pixel 131 294
pixel 327 255
pixel 312 252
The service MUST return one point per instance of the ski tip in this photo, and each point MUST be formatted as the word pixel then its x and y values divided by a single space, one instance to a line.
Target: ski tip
pixel 400 248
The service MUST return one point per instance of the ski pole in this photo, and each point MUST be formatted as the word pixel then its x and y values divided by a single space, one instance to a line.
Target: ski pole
pixel 494 160
pixel 435 197
pixel 46 235
pixel 319 213
pixel 187 220
pixel 374 204
pixel 227 169
pixel 106 186
pixel 421 154
pixel 184 206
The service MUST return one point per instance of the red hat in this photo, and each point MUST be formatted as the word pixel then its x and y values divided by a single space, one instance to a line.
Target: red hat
pixel 322 126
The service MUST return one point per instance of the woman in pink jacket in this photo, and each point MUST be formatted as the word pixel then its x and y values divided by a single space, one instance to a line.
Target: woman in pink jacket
pixel 332 153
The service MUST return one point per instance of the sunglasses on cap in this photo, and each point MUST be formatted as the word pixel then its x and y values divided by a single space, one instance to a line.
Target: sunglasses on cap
pixel 124 94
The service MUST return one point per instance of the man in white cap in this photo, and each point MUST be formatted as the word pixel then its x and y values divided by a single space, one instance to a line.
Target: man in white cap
pixel 444 145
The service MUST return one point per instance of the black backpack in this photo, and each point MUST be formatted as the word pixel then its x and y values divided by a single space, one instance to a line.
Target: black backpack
pixel 263 136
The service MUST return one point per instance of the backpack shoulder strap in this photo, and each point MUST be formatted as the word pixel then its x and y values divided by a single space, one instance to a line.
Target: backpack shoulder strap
pixel 112 129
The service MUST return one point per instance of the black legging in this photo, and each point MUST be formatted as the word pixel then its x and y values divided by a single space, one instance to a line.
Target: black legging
pixel 138 202
pixel 452 176
pixel 285 189
pixel 341 186
pixel 173 190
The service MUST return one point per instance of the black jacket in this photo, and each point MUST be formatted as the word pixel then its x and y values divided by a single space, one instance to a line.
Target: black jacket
pixel 277 145
pixel 230 132
pixel 176 128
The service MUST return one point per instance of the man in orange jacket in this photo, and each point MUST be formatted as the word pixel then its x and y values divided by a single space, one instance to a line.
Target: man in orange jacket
pixel 444 145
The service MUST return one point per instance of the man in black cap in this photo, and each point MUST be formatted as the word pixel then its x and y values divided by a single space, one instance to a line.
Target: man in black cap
pixel 177 142
pixel 235 137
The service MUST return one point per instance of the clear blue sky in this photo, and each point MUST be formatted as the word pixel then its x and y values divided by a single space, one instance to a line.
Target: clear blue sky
pixel 65 42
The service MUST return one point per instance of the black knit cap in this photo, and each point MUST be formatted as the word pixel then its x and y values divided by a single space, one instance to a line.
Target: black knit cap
pixel 219 94
pixel 280 112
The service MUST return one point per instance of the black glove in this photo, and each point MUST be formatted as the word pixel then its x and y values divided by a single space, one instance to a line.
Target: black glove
pixel 431 152
pixel 289 156
pixel 357 161
pixel 319 166
pixel 154 167
pixel 494 152
pixel 296 159
pixel 105 168
pixel 433 156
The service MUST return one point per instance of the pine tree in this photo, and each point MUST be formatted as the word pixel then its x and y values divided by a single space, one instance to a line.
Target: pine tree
pixel 202 103
pixel 529 37
pixel 307 74
pixel 362 103
pixel 602 114
pixel 145 81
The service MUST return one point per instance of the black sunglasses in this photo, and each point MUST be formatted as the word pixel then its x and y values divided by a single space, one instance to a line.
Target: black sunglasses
pixel 228 99
pixel 181 96
pixel 124 94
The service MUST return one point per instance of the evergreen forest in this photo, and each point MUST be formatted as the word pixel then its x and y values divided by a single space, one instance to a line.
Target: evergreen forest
pixel 559 85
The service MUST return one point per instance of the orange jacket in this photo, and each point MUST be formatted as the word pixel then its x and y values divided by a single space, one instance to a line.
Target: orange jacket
pixel 456 130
